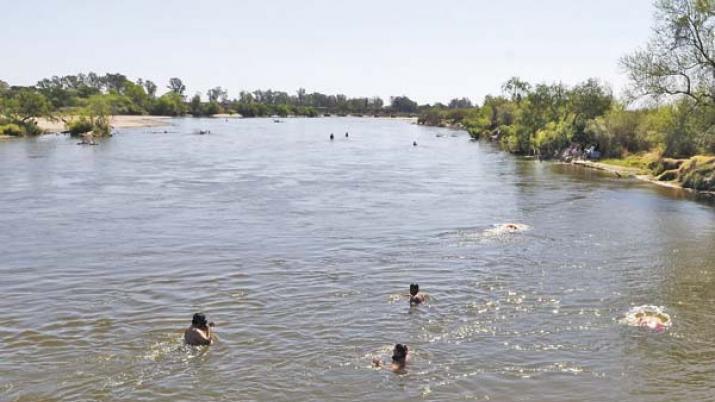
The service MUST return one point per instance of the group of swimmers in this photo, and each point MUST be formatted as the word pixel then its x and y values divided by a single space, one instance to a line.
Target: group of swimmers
pixel 200 333
pixel 332 137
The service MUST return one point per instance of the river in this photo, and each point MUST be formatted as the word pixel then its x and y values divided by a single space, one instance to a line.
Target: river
pixel 298 247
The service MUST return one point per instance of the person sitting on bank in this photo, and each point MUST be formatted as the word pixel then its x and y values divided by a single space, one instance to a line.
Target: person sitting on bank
pixel 399 359
pixel 199 333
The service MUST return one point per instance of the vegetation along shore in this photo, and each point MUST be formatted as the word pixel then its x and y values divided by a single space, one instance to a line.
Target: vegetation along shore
pixel 86 103
pixel 662 130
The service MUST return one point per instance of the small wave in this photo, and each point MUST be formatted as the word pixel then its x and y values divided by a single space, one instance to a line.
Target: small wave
pixel 652 317
pixel 505 229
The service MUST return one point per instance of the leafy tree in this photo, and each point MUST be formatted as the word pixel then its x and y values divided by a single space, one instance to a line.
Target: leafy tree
pixel 516 89
pixel 403 104
pixel 27 104
pixel 216 94
pixel 176 86
pixel 169 104
pixel 460 103
pixel 195 105
pixel 150 88
pixel 680 57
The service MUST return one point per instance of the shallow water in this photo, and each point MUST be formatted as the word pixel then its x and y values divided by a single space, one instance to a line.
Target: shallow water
pixel 297 246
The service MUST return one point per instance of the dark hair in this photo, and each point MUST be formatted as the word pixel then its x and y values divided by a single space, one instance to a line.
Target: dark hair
pixel 199 320
pixel 399 353
pixel 414 289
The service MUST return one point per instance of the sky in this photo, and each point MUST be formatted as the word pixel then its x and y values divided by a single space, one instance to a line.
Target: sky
pixel 428 50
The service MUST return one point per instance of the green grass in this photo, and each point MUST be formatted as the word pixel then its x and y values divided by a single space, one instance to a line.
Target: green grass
pixel 631 162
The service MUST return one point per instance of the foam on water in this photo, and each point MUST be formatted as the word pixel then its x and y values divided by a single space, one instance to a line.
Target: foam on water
pixel 646 316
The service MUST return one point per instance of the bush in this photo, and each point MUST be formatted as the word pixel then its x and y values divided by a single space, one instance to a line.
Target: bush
pixel 553 138
pixel 80 126
pixel 12 130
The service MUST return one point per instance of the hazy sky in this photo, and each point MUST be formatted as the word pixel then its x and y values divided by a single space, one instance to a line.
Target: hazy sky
pixel 428 50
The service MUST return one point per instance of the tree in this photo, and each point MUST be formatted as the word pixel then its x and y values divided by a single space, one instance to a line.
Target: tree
pixel 216 94
pixel 115 82
pixel 516 89
pixel 150 88
pixel 403 104
pixel 135 93
pixel 463 103
pixel 169 104
pixel 27 105
pixel 590 99
pixel 680 57
pixel 195 105
pixel 176 86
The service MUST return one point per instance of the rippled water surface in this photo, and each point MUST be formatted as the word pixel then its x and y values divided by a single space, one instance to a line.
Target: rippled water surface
pixel 297 248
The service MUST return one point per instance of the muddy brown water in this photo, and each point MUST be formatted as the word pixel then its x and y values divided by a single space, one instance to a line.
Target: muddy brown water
pixel 297 248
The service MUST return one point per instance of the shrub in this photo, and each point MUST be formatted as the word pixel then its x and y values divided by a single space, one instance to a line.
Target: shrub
pixel 80 126
pixel 12 130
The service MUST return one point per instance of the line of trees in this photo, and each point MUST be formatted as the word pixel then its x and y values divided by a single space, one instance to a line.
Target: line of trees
pixel 81 100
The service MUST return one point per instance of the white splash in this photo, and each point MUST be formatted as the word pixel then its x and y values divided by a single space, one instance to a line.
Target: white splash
pixel 651 317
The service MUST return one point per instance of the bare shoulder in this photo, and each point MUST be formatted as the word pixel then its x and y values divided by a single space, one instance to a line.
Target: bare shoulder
pixel 195 337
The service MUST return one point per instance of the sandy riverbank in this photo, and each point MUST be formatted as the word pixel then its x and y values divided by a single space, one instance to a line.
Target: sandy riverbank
pixel 116 122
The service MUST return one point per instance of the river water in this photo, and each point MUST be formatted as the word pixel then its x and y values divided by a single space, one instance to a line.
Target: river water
pixel 299 247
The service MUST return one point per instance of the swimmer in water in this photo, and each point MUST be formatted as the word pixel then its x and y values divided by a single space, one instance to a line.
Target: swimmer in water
pixel 415 296
pixel 199 333
pixel 651 317
pixel 400 356
pixel 332 137
pixel 346 134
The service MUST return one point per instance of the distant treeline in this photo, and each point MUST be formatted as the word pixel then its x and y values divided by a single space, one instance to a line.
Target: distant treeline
pixel 91 97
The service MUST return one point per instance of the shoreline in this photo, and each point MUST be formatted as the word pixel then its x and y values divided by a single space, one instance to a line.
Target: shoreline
pixel 118 121
pixel 635 173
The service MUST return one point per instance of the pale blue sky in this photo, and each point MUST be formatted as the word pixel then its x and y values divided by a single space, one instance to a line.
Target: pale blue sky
pixel 428 50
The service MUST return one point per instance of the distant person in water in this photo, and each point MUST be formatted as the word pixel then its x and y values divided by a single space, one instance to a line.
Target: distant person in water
pixel 415 296
pixel 199 333
pixel 346 134
pixel 399 359
pixel 414 143
pixel 332 137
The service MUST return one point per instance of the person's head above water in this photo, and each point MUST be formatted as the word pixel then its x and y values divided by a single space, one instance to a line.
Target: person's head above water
pixel 414 289
pixel 199 321
pixel 399 353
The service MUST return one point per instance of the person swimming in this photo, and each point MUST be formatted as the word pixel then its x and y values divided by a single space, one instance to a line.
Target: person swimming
pixel 346 134
pixel 400 357
pixel 332 137
pixel 414 143
pixel 199 333
pixel 650 317
pixel 415 296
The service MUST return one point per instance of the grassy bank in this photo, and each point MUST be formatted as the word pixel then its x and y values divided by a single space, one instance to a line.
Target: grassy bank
pixel 696 173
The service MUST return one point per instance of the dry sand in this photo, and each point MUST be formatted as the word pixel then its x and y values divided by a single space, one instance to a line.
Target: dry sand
pixel 116 122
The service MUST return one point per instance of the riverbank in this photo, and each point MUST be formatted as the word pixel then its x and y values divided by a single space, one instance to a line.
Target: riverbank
pixel 696 174
pixel 120 121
